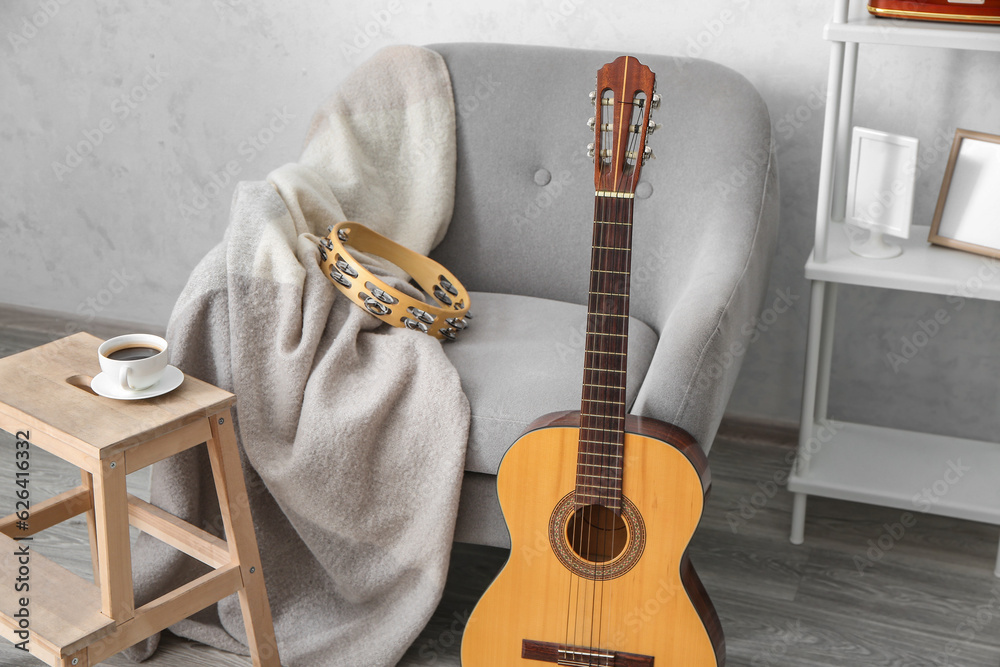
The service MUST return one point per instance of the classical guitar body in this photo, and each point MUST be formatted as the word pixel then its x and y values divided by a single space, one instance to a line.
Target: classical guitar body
pixel 601 504
pixel 642 606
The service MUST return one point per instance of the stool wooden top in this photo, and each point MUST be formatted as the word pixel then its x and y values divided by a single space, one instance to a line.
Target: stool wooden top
pixel 47 389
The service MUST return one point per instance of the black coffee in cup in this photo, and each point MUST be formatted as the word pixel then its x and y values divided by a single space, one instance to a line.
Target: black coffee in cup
pixel 133 353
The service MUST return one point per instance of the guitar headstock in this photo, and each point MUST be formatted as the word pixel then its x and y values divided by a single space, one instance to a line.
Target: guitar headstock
pixel 624 97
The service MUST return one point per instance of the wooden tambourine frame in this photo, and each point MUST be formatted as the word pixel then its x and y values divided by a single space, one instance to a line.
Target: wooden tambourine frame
pixel 443 318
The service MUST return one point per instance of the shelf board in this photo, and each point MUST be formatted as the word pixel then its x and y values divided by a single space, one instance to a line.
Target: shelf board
pixel 65 610
pixel 921 268
pixel 903 32
pixel 891 467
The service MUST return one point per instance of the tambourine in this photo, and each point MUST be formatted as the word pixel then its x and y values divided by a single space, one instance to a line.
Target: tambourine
pixel 443 317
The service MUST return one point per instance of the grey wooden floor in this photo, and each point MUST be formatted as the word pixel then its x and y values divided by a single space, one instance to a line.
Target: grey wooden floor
pixel 929 600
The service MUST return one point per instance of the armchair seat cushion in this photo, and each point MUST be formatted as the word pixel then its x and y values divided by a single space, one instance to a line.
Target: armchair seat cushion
pixel 521 358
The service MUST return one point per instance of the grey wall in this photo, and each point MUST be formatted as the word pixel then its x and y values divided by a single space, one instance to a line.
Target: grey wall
pixel 123 127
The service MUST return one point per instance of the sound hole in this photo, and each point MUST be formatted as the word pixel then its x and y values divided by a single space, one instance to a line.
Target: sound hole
pixel 596 534
pixel 628 544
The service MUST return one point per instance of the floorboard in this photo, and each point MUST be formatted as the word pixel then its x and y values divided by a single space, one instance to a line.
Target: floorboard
pixel 928 600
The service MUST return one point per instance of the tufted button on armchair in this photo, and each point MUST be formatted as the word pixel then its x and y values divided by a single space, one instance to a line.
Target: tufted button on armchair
pixel 706 219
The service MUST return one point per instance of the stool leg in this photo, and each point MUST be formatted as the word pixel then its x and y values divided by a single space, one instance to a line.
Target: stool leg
pixel 235 506
pixel 113 548
pixel 88 481
pixel 81 658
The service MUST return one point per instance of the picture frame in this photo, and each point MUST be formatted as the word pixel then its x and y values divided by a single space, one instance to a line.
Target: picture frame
pixel 881 188
pixel 966 212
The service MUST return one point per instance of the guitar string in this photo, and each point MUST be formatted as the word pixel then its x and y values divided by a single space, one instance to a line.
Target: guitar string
pixel 599 324
pixel 622 243
pixel 583 512
pixel 615 260
pixel 602 326
pixel 612 426
pixel 605 323
pixel 626 269
pixel 603 259
pixel 596 418
pixel 586 455
pixel 605 285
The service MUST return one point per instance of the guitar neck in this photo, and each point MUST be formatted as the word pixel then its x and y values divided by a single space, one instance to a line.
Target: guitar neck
pixel 602 423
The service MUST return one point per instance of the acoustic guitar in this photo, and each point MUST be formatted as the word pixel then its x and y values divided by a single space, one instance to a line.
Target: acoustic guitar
pixel 601 505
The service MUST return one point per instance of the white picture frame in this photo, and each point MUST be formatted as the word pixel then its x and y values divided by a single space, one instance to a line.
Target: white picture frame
pixel 966 216
pixel 880 189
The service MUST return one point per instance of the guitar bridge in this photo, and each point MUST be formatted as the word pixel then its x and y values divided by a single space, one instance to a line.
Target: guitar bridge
pixel 581 656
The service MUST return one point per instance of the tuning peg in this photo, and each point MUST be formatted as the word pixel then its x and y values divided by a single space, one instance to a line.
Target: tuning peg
pixel 655 102
pixel 590 150
pixel 647 154
pixel 652 127
pixel 593 97
pixel 592 122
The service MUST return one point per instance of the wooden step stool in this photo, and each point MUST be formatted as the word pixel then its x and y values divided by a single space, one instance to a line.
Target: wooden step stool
pixel 45 398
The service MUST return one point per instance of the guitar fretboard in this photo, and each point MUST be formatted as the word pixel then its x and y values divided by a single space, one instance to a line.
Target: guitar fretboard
pixel 602 422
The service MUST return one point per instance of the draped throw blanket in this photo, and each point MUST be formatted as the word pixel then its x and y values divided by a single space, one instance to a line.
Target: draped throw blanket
pixel 352 432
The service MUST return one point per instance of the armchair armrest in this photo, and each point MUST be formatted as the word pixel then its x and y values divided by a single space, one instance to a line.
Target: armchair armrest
pixel 705 332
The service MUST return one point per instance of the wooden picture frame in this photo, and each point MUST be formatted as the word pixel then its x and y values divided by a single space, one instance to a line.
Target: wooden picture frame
pixel 965 217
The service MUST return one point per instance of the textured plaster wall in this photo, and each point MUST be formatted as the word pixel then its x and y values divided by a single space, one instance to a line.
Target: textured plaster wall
pixel 124 126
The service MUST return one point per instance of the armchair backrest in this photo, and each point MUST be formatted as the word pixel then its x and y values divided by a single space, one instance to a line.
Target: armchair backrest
pixel 524 191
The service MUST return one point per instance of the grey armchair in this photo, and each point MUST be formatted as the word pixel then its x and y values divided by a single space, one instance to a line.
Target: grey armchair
pixel 706 218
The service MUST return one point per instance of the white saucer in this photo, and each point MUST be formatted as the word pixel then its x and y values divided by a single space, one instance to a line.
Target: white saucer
pixel 103 385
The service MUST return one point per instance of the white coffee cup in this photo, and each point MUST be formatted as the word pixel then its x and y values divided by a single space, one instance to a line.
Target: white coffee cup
pixel 134 361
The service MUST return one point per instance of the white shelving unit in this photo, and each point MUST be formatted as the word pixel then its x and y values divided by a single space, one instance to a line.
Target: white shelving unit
pixel 890 467
pixel 905 32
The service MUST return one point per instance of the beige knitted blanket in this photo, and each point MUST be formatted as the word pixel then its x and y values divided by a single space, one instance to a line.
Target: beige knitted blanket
pixel 352 432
